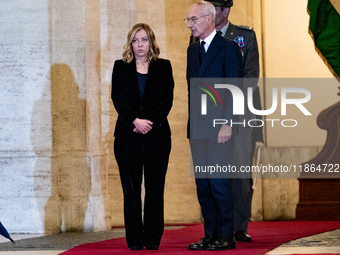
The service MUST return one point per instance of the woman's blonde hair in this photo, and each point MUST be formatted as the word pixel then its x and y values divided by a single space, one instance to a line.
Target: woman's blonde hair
pixel 154 51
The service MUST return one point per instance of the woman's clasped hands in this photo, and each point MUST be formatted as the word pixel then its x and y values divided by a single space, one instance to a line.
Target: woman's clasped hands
pixel 142 126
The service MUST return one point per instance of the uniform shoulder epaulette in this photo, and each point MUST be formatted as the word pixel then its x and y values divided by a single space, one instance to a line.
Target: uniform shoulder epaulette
pixel 245 27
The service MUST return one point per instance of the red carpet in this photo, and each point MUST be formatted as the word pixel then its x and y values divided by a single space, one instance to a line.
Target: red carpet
pixel 266 236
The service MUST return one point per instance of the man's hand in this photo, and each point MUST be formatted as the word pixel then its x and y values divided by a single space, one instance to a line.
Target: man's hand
pixel 224 134
pixel 142 126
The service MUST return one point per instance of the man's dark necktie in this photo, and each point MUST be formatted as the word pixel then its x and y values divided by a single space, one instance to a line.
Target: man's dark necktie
pixel 220 32
pixel 201 52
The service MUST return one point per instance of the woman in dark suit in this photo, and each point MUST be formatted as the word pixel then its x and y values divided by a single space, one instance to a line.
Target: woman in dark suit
pixel 142 93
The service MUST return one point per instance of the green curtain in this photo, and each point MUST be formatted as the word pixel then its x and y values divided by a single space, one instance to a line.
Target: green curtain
pixel 324 27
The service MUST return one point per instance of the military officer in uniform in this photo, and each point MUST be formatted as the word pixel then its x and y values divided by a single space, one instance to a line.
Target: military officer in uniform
pixel 245 37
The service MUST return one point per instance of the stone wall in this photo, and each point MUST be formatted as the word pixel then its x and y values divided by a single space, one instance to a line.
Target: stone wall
pixel 26 121
pixel 53 163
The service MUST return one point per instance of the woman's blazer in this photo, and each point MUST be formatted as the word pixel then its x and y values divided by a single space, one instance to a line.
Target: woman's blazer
pixel 154 106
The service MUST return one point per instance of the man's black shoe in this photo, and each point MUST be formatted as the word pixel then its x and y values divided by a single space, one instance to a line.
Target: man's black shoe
pixel 202 244
pixel 242 236
pixel 222 244
pixel 152 247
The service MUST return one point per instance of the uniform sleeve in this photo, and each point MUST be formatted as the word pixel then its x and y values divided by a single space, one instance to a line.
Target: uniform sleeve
pixel 251 59
pixel 233 69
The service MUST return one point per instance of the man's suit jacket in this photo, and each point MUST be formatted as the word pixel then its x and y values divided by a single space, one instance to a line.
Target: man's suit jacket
pixel 249 48
pixel 245 37
pixel 155 104
pixel 222 60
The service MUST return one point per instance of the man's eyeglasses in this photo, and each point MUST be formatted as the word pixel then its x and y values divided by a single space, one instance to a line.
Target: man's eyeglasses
pixel 193 19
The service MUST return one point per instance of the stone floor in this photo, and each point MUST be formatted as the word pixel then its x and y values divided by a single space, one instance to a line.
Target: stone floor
pixel 34 244
pixel 328 242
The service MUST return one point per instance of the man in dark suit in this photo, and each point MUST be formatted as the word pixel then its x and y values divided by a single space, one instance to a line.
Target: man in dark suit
pixel 245 37
pixel 212 57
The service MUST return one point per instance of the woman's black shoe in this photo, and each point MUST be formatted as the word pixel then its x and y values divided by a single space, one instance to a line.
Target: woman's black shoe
pixel 136 247
pixel 152 247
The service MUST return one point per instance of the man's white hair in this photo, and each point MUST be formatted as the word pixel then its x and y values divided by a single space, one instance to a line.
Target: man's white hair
pixel 208 8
